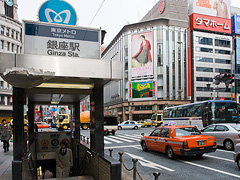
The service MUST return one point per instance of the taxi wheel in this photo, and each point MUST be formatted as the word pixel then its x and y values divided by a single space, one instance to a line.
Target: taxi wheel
pixel 238 162
pixel 135 127
pixel 144 146
pixel 228 145
pixel 170 152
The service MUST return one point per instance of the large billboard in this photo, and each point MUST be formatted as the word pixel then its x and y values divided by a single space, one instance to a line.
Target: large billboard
pixel 216 8
pixel 60 40
pixel 139 90
pixel 209 23
pixel 142 55
pixel 237 56
pixel 235 24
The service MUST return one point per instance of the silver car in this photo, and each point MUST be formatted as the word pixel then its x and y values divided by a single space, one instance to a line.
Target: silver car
pixel 236 155
pixel 227 135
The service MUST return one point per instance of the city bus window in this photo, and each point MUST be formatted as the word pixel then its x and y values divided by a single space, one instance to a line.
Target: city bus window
pixel 179 112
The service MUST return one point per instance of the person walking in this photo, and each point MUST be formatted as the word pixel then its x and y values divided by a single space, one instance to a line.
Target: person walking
pixel 6 133
pixel 64 161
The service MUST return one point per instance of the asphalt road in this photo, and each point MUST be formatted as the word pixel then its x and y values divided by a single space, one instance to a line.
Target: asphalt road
pixel 218 165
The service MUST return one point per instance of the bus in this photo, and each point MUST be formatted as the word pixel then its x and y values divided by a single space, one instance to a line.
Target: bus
pixel 202 114
pixel 157 120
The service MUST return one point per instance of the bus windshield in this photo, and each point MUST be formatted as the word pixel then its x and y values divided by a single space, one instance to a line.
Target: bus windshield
pixel 226 112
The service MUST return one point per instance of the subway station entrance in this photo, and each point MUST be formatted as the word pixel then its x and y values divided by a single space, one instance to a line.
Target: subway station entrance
pixel 45 80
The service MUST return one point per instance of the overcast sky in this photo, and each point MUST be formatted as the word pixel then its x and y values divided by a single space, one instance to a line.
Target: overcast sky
pixel 113 15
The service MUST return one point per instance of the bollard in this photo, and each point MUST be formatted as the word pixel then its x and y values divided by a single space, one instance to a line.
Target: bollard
pixel 120 157
pixel 156 175
pixel 83 138
pixel 88 140
pixel 110 152
pixel 80 138
pixel 134 168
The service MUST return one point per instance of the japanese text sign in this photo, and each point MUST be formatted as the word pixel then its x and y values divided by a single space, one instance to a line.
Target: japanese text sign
pixel 209 23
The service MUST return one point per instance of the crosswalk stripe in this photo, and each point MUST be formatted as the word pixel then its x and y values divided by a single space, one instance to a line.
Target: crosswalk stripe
pixel 137 136
pixel 114 140
pixel 107 142
pixel 132 138
pixel 120 138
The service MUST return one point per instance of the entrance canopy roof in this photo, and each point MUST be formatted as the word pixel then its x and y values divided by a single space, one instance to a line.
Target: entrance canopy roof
pixel 52 79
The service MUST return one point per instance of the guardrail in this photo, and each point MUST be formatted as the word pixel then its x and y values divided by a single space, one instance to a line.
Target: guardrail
pixel 134 168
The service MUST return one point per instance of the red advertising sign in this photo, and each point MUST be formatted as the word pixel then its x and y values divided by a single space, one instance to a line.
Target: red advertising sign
pixel 222 98
pixel 130 90
pixel 189 63
pixel 209 23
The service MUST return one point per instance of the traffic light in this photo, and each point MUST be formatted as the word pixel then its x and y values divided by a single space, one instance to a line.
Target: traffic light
pixel 229 79
pixel 217 79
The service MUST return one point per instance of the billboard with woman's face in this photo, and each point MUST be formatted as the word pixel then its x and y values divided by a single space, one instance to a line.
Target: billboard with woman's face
pixel 142 54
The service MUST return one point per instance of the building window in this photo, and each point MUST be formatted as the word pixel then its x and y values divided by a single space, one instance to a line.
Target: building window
pixel 2 30
pixel 2 102
pixel 12 47
pixel 204 89
pixel 222 61
pixel 17 34
pixel 204 79
pixel 204 59
pixel 204 40
pixel 8 10
pixel 204 69
pixel 219 51
pixel 202 49
pixel 1 84
pixel 223 70
pixel 1 44
pixel 160 46
pixel 8 46
pixel 12 34
pixel 222 43
pixel 7 32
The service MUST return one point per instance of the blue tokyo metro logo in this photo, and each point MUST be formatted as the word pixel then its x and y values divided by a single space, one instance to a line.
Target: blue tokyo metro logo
pixel 57 11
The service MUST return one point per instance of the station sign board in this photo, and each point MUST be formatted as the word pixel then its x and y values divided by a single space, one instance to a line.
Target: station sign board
pixel 57 11
pixel 60 40
pixel 209 23
pixel 215 8
pixel 139 90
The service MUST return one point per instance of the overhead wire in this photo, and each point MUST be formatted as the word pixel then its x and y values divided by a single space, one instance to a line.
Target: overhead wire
pixel 96 13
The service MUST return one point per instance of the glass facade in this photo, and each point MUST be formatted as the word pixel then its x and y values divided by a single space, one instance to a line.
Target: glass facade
pixel 204 40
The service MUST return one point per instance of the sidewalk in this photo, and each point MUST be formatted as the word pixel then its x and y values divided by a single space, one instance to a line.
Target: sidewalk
pixel 6 162
pixel 6 166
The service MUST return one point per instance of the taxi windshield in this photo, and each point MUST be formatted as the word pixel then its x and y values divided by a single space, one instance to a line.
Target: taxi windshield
pixel 224 112
pixel 187 131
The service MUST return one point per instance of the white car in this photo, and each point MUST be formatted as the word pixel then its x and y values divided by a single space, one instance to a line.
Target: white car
pixel 129 125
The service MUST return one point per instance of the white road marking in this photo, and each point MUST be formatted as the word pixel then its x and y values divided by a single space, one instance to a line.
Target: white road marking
pixel 115 147
pixel 120 138
pixel 114 140
pixel 107 142
pixel 150 164
pixel 138 148
pixel 212 169
pixel 132 138
pixel 225 151
pixel 215 157
pixel 133 135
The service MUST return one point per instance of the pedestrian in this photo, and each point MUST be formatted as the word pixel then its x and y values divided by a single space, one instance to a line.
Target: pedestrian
pixel 64 160
pixel 6 133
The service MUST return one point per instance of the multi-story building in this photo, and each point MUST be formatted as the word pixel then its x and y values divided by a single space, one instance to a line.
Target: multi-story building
pixel 154 55
pixel 210 49
pixel 10 42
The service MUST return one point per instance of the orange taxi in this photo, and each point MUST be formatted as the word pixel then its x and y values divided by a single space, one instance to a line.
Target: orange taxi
pixel 179 140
